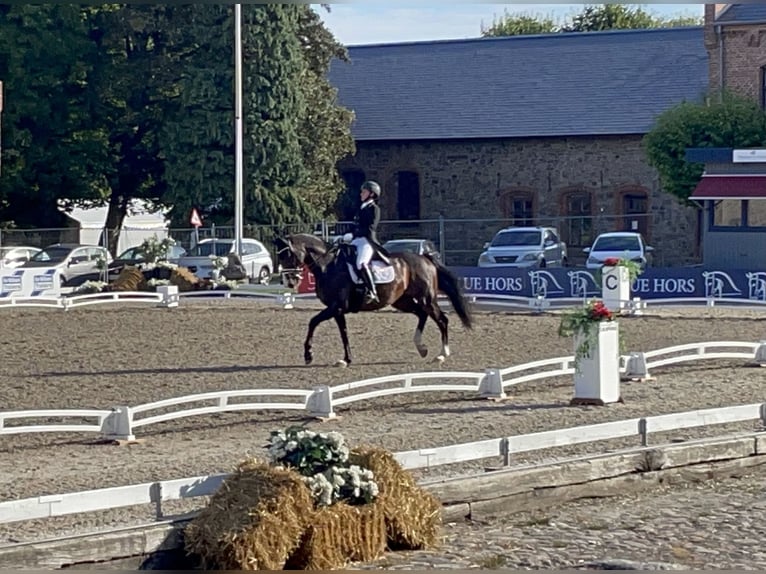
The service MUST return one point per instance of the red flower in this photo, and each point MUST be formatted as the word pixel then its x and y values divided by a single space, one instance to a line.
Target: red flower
pixel 611 261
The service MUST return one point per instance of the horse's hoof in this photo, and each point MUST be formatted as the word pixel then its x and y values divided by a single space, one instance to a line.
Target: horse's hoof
pixel 439 359
pixel 309 360
pixel 423 351
pixel 341 363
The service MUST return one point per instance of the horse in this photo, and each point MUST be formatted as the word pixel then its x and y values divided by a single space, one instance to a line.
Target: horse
pixel 408 282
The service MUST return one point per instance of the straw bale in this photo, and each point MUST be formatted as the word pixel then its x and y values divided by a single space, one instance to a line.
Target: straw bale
pixel 339 534
pixel 184 279
pixel 129 279
pixel 255 521
pixel 412 514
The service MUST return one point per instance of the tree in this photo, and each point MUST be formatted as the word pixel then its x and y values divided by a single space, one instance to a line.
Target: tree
pixel 732 121
pixel 591 18
pixel 49 144
pixel 325 130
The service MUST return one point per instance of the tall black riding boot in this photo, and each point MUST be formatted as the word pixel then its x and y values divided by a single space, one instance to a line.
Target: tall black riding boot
pixel 369 282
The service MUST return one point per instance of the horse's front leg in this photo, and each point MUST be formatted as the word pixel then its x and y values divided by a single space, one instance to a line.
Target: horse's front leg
pixel 340 319
pixel 320 317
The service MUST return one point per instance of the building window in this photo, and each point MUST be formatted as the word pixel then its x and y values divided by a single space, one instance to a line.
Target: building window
pixel 408 195
pixel 738 214
pixel 763 87
pixel 635 212
pixel 518 207
pixel 348 202
pixel 577 227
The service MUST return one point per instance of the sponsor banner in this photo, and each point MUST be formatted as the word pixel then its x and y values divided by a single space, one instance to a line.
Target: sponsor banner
pixel 32 282
pixel 653 283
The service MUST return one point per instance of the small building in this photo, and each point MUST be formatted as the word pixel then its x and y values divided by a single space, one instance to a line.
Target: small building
pixel 732 192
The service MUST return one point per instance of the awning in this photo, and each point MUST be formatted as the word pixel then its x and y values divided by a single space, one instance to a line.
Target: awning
pixel 731 187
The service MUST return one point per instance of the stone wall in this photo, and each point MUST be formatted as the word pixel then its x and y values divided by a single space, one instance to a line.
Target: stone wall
pixel 739 53
pixel 475 179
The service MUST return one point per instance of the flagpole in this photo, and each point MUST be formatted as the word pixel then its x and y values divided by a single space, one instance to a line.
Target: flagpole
pixel 238 128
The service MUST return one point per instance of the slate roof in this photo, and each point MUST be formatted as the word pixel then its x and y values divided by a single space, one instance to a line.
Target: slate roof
pixel 595 83
pixel 742 14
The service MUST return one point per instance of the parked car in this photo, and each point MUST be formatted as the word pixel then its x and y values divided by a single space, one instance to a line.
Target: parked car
pixel 15 256
pixel 256 259
pixel 418 246
pixel 525 247
pixel 77 262
pixel 621 244
pixel 134 256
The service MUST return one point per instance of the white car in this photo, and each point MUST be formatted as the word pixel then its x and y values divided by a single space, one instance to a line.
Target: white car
pixel 620 244
pixel 256 259
pixel 15 256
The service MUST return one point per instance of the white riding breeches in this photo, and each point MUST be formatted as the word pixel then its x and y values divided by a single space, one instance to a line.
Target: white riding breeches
pixel 364 251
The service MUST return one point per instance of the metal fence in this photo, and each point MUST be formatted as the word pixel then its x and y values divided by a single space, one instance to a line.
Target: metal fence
pixel 460 241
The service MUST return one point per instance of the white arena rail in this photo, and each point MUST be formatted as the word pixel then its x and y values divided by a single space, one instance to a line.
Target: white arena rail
pixel 184 488
pixel 638 364
pixel 98 427
pixel 119 423
pixel 222 404
pixel 405 385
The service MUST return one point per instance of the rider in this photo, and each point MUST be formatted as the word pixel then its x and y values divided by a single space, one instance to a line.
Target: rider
pixel 366 234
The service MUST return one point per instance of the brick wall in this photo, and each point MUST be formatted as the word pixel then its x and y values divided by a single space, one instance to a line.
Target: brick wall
pixel 738 52
pixel 473 179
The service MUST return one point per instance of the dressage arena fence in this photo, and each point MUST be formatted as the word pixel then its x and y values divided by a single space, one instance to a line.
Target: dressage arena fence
pixel 156 493
pixel 170 298
pixel 120 422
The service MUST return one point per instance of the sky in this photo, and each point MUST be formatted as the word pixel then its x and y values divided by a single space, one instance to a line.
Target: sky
pixel 398 21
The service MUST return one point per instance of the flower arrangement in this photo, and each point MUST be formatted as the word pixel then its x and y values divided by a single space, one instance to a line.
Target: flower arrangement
pixel 154 249
pixel 634 269
pixel 583 322
pixel 322 459
pixel 90 287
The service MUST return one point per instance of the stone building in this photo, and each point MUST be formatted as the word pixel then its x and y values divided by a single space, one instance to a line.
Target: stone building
pixel 547 129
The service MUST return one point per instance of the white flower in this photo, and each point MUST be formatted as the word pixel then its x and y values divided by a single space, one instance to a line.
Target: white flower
pixel 291 446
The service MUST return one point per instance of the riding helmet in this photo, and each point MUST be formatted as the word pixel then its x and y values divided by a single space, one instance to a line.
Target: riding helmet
pixel 372 187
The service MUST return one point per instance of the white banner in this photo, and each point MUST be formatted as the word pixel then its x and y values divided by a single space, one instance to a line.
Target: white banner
pixel 30 282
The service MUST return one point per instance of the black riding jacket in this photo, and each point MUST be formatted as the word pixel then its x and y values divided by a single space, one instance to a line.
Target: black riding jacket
pixel 367 219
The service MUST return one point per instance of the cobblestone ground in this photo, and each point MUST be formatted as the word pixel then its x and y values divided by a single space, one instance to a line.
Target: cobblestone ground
pixel 711 525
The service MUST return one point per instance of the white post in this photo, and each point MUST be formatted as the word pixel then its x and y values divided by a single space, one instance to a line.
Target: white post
pixel 319 403
pixel 615 286
pixel 239 160
pixel 169 295
pixel 597 375
pixel 491 385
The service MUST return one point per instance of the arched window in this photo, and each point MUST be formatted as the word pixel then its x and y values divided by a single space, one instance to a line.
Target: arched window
pixel 408 195
pixel 518 206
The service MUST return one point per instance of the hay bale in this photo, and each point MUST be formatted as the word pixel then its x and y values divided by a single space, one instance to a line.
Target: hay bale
pixel 184 279
pixel 412 514
pixel 339 534
pixel 255 521
pixel 129 279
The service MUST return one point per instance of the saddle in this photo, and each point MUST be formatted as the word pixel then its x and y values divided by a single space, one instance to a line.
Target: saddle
pixel 380 265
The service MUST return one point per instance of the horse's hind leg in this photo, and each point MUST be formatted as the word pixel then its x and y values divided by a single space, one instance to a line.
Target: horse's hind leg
pixel 411 306
pixel 441 319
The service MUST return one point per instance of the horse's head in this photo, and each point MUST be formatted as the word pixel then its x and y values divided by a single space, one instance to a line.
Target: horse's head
pixel 291 258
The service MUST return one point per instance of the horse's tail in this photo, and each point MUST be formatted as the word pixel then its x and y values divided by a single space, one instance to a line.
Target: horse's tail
pixel 449 284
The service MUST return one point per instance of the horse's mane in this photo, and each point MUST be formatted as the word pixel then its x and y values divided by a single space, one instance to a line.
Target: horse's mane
pixel 310 241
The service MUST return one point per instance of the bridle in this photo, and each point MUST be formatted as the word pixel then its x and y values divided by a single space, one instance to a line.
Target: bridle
pixel 296 273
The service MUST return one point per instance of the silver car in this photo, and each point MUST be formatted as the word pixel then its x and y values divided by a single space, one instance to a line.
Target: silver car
pixel 256 259
pixel 78 263
pixel 525 247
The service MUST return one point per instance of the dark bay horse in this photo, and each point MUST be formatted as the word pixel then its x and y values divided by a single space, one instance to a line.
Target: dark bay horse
pixel 410 284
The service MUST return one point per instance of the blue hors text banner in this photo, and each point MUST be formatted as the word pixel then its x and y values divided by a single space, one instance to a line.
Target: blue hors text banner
pixel 653 283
